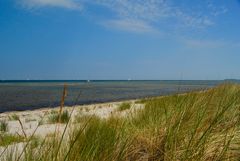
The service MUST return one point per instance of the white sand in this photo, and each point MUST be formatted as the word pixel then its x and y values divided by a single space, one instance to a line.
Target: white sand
pixel 31 119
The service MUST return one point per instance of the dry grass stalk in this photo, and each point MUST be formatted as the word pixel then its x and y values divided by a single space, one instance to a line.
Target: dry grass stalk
pixel 62 101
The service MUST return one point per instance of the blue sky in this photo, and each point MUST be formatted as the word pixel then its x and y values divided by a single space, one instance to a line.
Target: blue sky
pixel 119 39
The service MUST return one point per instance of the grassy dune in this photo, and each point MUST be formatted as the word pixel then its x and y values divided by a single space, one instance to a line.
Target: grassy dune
pixel 194 126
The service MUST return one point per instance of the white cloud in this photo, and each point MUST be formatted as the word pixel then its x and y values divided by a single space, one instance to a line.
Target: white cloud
pixel 130 25
pixel 187 20
pixel 149 10
pixel 154 14
pixel 133 16
pixel 68 4
pixel 216 11
pixel 141 15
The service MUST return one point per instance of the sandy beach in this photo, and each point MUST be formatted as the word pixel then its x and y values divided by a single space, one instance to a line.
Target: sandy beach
pixel 36 122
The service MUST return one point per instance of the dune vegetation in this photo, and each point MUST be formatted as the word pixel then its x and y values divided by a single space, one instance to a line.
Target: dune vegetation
pixel 124 106
pixel 193 126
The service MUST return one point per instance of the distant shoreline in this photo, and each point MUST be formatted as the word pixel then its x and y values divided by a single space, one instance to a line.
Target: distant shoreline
pixel 88 80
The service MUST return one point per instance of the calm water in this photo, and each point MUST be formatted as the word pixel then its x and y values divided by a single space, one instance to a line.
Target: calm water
pixel 26 95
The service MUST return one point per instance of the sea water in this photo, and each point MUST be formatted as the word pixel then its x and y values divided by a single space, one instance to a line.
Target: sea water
pixel 28 95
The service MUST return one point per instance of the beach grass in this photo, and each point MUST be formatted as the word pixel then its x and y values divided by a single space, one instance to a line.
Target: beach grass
pixel 193 126
pixel 14 117
pixel 7 139
pixel 3 126
pixel 56 117
pixel 124 106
